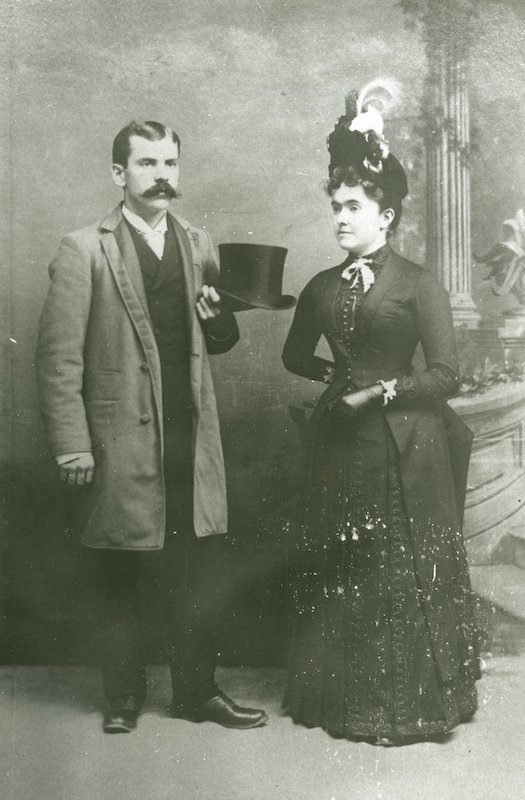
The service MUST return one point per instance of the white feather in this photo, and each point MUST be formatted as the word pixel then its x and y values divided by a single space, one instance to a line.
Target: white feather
pixel 369 120
pixel 382 93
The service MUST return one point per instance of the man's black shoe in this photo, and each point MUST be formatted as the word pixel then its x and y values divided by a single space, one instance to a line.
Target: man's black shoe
pixel 222 710
pixel 122 715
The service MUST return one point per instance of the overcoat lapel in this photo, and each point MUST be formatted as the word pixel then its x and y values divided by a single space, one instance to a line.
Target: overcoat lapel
pixel 187 240
pixel 124 264
pixel 123 260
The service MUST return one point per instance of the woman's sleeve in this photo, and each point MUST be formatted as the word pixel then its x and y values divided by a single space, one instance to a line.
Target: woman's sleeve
pixel 434 319
pixel 299 349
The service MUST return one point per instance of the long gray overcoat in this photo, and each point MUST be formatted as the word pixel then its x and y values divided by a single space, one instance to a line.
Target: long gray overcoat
pixel 99 384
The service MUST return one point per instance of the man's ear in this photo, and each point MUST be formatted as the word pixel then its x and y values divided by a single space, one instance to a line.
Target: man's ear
pixel 117 173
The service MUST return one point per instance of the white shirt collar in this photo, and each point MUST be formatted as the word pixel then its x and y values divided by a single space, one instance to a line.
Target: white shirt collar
pixel 142 226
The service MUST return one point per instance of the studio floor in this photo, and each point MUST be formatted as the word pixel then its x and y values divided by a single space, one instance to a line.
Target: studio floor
pixel 52 746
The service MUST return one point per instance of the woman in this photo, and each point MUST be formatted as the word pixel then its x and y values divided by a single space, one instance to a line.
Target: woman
pixel 384 643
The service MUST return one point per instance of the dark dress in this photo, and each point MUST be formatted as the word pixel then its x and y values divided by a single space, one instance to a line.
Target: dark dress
pixel 384 641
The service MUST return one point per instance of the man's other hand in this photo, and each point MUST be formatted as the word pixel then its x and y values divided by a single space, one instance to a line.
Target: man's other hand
pixel 209 303
pixel 76 469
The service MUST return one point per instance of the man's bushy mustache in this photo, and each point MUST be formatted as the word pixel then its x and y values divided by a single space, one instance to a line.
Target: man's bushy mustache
pixel 160 188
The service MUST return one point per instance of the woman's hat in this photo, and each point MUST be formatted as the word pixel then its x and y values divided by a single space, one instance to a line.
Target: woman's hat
pixel 251 276
pixel 357 141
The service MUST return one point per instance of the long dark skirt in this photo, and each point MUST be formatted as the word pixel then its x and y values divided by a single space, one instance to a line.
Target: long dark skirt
pixel 361 661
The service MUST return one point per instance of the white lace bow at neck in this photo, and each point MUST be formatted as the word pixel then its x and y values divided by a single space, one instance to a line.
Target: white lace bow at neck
pixel 359 269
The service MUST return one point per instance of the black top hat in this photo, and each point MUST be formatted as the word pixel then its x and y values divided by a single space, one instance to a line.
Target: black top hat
pixel 251 276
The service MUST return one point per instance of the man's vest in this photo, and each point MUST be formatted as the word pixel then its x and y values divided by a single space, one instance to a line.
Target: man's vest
pixel 166 294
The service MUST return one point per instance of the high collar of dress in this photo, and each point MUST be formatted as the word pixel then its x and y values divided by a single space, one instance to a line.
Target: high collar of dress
pixel 375 260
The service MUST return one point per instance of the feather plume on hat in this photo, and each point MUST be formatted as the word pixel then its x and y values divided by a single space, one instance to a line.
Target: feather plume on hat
pixel 358 141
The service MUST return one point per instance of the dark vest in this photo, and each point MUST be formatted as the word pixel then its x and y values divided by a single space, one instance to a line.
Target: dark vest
pixel 166 294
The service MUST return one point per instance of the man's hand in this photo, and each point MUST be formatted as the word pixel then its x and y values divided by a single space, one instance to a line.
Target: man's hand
pixel 209 303
pixel 76 469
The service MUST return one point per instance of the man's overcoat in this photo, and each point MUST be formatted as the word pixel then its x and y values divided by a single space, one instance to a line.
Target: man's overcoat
pixel 99 383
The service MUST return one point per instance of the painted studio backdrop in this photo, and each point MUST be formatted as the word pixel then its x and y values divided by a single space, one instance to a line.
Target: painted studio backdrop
pixel 253 88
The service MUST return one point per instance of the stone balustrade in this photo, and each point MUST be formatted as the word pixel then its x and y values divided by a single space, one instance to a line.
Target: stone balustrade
pixel 495 504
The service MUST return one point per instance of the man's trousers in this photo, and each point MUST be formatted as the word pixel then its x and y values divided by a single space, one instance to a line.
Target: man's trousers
pixel 175 592
pixel 172 592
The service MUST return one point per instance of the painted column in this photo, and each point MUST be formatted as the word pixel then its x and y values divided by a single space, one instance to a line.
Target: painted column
pixel 448 180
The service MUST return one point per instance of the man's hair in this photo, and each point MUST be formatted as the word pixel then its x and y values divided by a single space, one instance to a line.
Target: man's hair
pixel 385 199
pixel 153 131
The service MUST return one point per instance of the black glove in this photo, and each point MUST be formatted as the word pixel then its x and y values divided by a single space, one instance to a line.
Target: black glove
pixel 354 403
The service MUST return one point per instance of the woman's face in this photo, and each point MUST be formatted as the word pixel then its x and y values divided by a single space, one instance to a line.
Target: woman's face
pixel 360 225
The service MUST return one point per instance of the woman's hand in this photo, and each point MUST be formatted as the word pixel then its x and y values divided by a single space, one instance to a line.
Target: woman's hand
pixel 353 403
pixel 209 304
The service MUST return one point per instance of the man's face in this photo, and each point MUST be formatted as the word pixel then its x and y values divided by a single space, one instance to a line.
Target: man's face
pixel 359 223
pixel 150 177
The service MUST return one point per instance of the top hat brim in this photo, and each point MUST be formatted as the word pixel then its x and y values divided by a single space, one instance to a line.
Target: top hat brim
pixel 237 303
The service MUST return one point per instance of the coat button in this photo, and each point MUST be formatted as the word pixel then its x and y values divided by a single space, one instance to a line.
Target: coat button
pixel 145 418
pixel 144 367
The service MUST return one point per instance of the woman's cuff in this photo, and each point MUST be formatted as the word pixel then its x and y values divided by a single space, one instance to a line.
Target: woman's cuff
pixel 329 374
pixel 389 390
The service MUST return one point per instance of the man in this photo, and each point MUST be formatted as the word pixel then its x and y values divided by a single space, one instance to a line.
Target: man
pixel 128 402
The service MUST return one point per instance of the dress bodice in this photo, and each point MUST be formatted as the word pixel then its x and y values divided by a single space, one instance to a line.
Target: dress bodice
pixel 374 335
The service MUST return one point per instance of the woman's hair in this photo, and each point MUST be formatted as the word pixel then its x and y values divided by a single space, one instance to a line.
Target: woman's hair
pixel 351 177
